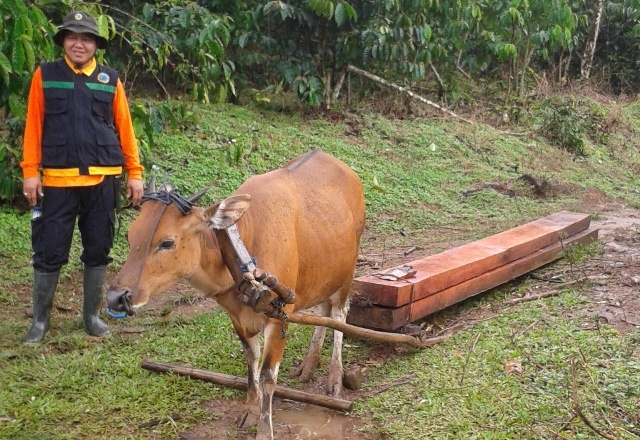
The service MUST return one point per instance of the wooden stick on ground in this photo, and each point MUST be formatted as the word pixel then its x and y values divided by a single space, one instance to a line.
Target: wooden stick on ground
pixel 359 332
pixel 241 384
pixel 578 411
pixel 546 294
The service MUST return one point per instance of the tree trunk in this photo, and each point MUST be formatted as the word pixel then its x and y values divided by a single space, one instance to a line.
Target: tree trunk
pixel 327 90
pixel 528 51
pixel 338 86
pixel 590 46
pixel 441 89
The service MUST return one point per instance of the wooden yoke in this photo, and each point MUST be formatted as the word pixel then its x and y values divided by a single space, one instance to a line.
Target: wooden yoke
pixel 285 293
pixel 256 285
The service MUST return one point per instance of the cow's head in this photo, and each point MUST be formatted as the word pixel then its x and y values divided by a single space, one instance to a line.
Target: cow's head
pixel 167 242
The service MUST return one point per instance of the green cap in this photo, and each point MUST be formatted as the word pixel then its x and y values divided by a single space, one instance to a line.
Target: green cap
pixel 79 23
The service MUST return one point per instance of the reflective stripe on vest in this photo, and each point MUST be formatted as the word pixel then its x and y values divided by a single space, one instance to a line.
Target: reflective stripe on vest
pixel 72 172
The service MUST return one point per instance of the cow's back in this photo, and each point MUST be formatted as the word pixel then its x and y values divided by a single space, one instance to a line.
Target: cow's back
pixel 304 224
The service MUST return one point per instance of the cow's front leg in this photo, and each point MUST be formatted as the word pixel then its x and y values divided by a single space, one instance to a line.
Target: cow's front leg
pixel 251 349
pixel 274 342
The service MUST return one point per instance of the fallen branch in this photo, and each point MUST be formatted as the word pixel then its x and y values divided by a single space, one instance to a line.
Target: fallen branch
pixel 377 79
pixel 383 388
pixel 156 422
pixel 547 294
pixel 364 333
pixel 575 406
pixel 241 384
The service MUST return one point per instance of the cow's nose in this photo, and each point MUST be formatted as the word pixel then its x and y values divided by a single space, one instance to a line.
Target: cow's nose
pixel 120 301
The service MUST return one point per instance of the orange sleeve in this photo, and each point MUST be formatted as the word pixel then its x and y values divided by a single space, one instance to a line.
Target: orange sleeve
pixel 32 146
pixel 124 126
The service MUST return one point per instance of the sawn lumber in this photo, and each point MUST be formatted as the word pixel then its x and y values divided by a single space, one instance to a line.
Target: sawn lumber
pixel 392 318
pixel 454 266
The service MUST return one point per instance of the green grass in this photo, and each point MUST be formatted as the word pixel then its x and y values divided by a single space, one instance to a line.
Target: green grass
pixel 416 173
pixel 459 389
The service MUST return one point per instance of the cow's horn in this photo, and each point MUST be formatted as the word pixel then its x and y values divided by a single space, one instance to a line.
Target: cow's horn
pixel 167 186
pixel 195 197
pixel 151 188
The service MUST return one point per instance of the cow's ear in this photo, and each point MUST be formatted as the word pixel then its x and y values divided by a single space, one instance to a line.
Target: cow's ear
pixel 227 212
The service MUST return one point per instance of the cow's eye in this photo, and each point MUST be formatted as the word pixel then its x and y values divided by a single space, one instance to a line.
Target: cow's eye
pixel 166 245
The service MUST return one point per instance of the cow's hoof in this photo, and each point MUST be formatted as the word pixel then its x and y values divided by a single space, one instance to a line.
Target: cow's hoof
pixel 247 420
pixel 334 383
pixel 305 370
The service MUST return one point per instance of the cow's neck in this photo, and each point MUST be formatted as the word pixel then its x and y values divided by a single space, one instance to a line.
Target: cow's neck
pixel 211 276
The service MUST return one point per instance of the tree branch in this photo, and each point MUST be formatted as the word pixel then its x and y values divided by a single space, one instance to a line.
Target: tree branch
pixel 576 407
pixel 377 79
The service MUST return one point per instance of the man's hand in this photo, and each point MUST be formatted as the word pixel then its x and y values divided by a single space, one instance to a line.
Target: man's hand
pixel 32 188
pixel 134 190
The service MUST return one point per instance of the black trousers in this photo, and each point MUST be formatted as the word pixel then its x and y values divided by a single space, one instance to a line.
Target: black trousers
pixel 52 233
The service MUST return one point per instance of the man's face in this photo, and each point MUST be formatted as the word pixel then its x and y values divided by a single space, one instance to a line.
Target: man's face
pixel 79 48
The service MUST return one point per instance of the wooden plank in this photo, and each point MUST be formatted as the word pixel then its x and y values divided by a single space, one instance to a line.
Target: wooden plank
pixel 495 277
pixel 378 317
pixel 392 318
pixel 438 272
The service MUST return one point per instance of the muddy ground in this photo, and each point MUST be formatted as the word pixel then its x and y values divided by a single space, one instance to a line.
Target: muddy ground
pixel 611 281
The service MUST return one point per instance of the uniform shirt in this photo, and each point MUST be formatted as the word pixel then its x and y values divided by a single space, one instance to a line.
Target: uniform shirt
pixel 32 149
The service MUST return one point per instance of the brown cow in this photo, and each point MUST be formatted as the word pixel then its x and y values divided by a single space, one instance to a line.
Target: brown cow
pixel 302 223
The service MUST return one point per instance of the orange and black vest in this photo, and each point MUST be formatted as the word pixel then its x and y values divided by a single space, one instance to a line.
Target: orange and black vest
pixel 78 130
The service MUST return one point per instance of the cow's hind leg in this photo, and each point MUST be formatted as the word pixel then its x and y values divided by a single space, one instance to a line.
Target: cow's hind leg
pixel 308 366
pixel 339 309
pixel 334 380
pixel 274 343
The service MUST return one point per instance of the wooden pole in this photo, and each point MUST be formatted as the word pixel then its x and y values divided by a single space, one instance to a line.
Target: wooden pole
pixel 415 96
pixel 241 384
pixel 359 332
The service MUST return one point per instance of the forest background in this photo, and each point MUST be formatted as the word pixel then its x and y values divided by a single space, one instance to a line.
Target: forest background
pixel 490 58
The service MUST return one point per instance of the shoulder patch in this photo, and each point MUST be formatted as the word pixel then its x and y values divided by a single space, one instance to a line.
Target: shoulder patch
pixel 103 78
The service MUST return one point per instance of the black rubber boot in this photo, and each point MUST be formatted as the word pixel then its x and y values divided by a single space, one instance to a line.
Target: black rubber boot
pixel 93 281
pixel 44 287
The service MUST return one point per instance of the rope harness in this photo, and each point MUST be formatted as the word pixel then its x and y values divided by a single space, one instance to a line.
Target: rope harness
pixel 166 198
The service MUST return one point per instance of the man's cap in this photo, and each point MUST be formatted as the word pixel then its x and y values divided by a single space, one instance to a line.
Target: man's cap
pixel 79 23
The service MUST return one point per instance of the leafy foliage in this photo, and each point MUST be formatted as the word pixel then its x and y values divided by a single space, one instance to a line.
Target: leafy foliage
pixel 563 125
pixel 186 43
pixel 23 43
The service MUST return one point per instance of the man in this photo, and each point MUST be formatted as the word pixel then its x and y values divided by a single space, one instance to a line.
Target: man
pixel 79 135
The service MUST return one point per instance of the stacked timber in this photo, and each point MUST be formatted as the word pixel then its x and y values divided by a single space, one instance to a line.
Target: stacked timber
pixel 450 277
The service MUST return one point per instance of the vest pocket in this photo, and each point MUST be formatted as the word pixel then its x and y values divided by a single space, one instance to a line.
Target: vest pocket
pixel 109 151
pixel 55 102
pixel 102 106
pixel 54 149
